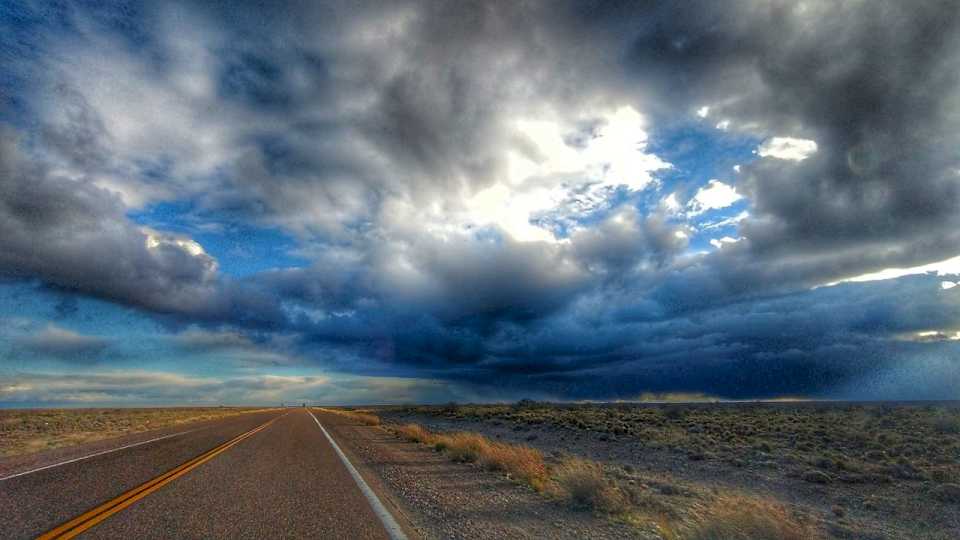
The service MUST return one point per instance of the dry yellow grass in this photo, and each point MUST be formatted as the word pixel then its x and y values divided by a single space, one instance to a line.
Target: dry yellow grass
pixel 413 433
pixel 463 447
pixel 520 462
pixel 584 483
pixel 745 518
pixel 363 417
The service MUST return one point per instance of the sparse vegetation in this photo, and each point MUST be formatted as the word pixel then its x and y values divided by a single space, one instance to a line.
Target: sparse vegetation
pixel 522 463
pixel 364 417
pixel 672 469
pixel 742 518
pixel 948 493
pixel 847 444
pixel 586 486
pixel 697 513
pixel 946 423
pixel 24 431
pixel 463 447
pixel 413 433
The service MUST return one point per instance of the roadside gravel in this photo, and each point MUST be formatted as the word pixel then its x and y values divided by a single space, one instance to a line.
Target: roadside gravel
pixel 443 499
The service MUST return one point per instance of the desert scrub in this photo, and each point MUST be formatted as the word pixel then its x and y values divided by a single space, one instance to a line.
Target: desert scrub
pixel 520 462
pixel 849 436
pixel 678 511
pixel 464 447
pixel 946 423
pixel 743 518
pixel 363 417
pixel 413 433
pixel 586 486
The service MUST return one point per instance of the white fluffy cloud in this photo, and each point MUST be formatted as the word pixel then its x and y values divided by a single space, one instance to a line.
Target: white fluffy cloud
pixel 553 163
pixel 787 148
pixel 713 196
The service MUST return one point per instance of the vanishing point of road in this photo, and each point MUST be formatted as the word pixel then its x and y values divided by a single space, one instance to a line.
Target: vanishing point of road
pixel 273 474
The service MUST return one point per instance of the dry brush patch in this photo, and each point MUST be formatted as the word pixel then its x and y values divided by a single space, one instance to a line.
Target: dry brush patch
pixel 414 433
pixel 520 462
pixel 846 443
pixel 674 511
pixel 747 518
pixel 364 417
pixel 586 485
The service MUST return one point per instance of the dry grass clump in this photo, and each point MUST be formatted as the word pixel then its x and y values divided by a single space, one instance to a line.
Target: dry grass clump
pixel 520 462
pixel 367 419
pixel 463 447
pixel 363 417
pixel 586 486
pixel 414 433
pixel 742 518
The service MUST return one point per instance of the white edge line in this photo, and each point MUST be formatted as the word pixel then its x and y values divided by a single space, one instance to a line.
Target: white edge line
pixel 393 528
pixel 111 450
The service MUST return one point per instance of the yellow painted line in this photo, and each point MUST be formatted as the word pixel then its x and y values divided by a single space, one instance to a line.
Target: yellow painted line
pixel 92 517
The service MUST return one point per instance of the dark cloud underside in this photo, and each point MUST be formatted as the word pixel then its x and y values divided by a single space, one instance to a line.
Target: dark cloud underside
pixel 410 150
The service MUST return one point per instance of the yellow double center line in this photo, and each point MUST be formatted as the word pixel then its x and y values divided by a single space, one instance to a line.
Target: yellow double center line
pixel 90 518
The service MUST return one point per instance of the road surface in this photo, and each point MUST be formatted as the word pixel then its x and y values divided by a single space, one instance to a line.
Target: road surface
pixel 258 475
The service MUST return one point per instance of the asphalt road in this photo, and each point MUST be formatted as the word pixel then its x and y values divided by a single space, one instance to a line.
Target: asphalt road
pixel 258 475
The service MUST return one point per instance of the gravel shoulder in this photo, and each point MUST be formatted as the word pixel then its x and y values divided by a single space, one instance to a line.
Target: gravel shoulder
pixel 438 498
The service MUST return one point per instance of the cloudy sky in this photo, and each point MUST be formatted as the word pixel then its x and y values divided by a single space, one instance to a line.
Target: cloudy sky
pixel 434 201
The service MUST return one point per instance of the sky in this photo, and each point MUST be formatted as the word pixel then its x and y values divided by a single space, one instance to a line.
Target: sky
pixel 416 201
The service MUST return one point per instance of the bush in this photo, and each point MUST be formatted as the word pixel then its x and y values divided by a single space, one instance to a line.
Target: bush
pixel 360 416
pixel 946 424
pixel 366 419
pixel 587 487
pixel 414 433
pixel 465 447
pixel 740 518
pixel 521 462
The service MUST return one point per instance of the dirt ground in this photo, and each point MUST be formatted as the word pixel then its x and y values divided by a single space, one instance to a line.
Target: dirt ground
pixel 864 471
pixel 441 499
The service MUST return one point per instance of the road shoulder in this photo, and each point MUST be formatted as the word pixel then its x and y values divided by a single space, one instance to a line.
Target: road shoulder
pixel 437 498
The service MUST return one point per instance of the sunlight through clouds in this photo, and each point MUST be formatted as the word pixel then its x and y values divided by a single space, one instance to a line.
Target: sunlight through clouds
pixel 788 148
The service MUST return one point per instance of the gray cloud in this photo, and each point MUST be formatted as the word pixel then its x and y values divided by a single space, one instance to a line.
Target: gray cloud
pixel 74 235
pixel 874 84
pixel 63 344
pixel 367 132
pixel 161 388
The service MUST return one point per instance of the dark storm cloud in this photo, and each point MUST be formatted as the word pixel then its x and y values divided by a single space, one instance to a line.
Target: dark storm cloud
pixel 354 127
pixel 875 84
pixel 810 343
pixel 75 236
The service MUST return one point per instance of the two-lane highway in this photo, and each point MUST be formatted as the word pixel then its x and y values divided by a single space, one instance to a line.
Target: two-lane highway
pixel 261 475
